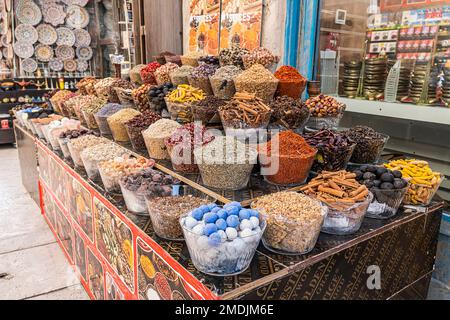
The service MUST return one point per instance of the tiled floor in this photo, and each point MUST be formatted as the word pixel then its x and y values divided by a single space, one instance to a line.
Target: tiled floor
pixel 32 266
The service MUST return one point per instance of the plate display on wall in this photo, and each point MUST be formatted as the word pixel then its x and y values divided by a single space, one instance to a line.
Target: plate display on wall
pixel 82 38
pixel 77 17
pixel 29 65
pixel 46 34
pixel 82 65
pixel 26 33
pixel 70 65
pixel 43 52
pixel 65 37
pixel 56 64
pixel 65 52
pixel 84 53
pixel 80 3
pixel 54 14
pixel 23 49
pixel 28 12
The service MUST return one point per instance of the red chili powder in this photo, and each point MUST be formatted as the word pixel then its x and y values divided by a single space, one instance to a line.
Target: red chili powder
pixel 289 143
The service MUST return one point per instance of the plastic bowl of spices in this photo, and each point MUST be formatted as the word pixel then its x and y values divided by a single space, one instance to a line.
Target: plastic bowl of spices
pixel 135 74
pixel 288 114
pixel 138 124
pixel 232 56
pixel 182 143
pixel 260 56
pixel 369 144
pixel 222 82
pixel 388 187
pixel 199 78
pixel 67 135
pixel 257 80
pixel 326 112
pixel 334 150
pixel 77 145
pixel 292 83
pixel 179 102
pixel 191 59
pixel 117 122
pixel 85 85
pixel 424 182
pixel 125 96
pixel 136 187
pixel 222 240
pixel 157 95
pixel 346 199
pixel 102 115
pixel 155 135
pixel 162 74
pixel 294 222
pixel 206 110
pixel 90 110
pixel 165 212
pixel 91 156
pixel 102 87
pixel 244 111
pixel 226 163
pixel 147 73
pixel 180 75
pixel 286 159
pixel 111 171
pixel 78 103
pixel 118 83
pixel 140 97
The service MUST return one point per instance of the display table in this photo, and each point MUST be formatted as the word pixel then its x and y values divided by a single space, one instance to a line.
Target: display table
pixel 118 256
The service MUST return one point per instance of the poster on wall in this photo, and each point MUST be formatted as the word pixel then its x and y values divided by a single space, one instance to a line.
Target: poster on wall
pixel 235 22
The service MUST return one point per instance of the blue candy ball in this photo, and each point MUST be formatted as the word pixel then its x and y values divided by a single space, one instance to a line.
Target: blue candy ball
pixel 233 204
pixel 210 228
pixel 210 217
pixel 215 209
pixel 233 221
pixel 221 224
pixel 215 239
pixel 222 214
pixel 204 208
pixel 254 213
pixel 244 214
pixel 197 214
pixel 232 211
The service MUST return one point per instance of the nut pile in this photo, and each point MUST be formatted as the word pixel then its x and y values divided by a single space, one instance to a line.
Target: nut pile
pixel 73 134
pixel 232 56
pixel 324 106
pixel 289 113
pixel 162 74
pixel 245 111
pixel 293 221
pixel 155 136
pixel 257 80
pixel 147 73
pixel 222 82
pixel 136 125
pixel 117 122
pixel 140 97
pixel 100 152
pixel 89 110
pixel 369 144
pixel 260 56
pixel 86 85
pixel 199 77
pixel 180 75
pixel 205 110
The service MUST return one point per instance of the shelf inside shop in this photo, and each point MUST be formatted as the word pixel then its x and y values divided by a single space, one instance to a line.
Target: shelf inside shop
pixel 438 115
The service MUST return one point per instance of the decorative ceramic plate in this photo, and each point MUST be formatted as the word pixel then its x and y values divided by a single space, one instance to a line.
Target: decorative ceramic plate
pixel 56 64
pixel 26 33
pixel 82 65
pixel 65 37
pixel 54 14
pixel 70 65
pixel 23 49
pixel 46 34
pixel 84 53
pixel 28 12
pixel 43 52
pixel 82 38
pixel 77 17
pixel 80 3
pixel 65 52
pixel 29 65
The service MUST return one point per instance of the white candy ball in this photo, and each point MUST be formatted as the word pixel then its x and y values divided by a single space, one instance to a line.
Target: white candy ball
pixel 198 229
pixel 257 230
pixel 231 233
pixel 223 235
pixel 202 242
pixel 254 221
pixel 190 222
pixel 246 224
pixel 239 245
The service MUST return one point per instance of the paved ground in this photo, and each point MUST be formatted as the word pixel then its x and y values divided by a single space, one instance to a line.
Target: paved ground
pixel 32 266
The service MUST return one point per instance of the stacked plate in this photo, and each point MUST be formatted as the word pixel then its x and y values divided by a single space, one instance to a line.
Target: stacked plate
pixel 418 80
pixel 404 80
pixel 352 73
pixel 433 83
pixel 375 74
pixel 446 86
